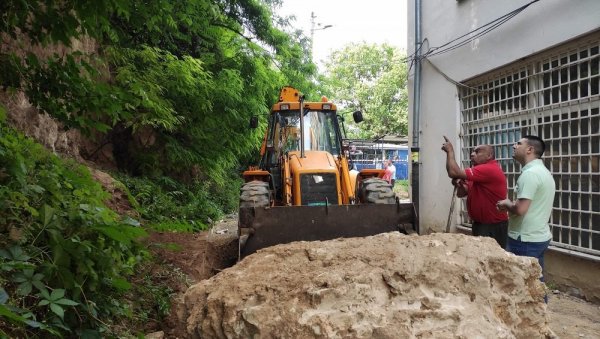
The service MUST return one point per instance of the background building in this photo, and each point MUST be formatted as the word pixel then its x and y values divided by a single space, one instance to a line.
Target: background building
pixel 493 71
pixel 373 154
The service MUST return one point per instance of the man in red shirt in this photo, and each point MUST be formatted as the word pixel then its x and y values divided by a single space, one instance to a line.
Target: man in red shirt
pixel 483 184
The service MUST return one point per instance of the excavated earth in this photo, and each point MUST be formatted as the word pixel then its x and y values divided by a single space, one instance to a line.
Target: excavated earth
pixel 385 286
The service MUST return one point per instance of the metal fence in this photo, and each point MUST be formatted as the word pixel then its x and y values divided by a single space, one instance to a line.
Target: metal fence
pixel 554 95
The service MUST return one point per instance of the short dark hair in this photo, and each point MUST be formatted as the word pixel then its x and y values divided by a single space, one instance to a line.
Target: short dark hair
pixel 537 143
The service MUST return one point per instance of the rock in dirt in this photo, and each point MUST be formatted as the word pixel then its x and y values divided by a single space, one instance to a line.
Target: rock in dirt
pixel 385 286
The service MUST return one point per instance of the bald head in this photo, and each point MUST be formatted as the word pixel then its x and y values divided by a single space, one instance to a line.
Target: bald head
pixel 490 150
pixel 482 154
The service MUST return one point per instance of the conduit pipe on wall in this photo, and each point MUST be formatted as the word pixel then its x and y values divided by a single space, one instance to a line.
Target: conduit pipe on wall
pixel 416 113
pixel 417 77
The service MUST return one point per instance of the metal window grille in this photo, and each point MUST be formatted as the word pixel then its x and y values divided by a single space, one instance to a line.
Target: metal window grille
pixel 556 96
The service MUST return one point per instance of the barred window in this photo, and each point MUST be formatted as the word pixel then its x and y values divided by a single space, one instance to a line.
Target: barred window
pixel 556 96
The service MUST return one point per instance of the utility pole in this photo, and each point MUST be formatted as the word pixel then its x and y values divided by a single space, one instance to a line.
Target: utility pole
pixel 313 29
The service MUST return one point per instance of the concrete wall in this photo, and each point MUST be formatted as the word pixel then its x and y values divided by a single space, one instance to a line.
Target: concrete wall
pixel 542 25
pixel 576 276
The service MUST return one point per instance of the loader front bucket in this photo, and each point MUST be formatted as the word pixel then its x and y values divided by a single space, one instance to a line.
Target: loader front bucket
pixel 268 226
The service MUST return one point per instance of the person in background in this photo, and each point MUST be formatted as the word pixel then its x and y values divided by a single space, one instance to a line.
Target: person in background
pixel 483 184
pixel 387 175
pixel 392 169
pixel 528 230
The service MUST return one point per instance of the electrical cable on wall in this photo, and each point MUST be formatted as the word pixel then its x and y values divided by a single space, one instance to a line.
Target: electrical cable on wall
pixel 412 60
pixel 486 29
pixel 457 83
pixel 472 35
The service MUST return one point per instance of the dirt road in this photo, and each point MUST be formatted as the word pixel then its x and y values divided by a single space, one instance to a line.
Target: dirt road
pixel 572 317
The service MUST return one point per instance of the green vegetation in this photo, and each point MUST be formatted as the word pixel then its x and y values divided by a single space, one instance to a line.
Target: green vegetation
pixel 64 256
pixel 401 186
pixel 170 86
pixel 167 204
pixel 372 79
pixel 188 73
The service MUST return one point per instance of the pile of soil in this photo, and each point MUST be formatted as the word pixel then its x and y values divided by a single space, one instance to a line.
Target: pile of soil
pixel 385 286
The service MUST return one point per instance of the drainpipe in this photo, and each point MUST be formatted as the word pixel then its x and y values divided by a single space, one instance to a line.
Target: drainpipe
pixel 414 150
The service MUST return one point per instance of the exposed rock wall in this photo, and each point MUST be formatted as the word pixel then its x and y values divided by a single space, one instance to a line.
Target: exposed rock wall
pixel 40 126
pixel 27 118
pixel 98 149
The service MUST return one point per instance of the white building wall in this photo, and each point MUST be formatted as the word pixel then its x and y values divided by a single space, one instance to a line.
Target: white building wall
pixel 543 24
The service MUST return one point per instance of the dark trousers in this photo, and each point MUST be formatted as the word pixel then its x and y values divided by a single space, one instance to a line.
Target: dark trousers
pixel 530 249
pixel 498 231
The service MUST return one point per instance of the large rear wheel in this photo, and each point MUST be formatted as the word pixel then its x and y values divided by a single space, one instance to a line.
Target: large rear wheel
pixel 255 194
pixel 376 191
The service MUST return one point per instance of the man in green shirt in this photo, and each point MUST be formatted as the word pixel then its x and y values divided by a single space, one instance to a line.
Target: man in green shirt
pixel 528 229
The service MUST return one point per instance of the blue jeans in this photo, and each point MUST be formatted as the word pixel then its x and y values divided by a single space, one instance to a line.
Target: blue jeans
pixel 529 249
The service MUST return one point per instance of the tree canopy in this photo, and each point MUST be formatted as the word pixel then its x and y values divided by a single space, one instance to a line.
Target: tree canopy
pixel 191 71
pixel 187 73
pixel 370 78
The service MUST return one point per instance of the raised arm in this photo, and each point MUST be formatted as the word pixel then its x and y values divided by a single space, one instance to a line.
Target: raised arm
pixel 454 171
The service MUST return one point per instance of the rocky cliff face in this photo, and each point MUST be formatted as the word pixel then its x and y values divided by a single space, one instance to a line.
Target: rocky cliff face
pixel 34 123
pixel 41 127
pixel 110 150
pixel 385 286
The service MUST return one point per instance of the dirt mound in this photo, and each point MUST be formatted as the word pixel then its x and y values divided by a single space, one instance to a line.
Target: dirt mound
pixel 385 286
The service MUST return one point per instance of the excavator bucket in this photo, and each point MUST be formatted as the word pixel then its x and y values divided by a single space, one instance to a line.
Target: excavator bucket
pixel 268 226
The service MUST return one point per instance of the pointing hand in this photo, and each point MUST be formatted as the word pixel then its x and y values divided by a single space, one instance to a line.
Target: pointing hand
pixel 447 145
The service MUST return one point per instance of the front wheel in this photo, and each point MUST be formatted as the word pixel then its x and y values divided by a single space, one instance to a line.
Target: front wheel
pixel 376 191
pixel 254 194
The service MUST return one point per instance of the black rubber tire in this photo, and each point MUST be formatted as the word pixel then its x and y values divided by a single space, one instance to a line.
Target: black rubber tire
pixel 255 194
pixel 252 194
pixel 376 191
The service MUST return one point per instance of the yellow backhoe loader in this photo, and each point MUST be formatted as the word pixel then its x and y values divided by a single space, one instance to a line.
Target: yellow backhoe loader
pixel 303 188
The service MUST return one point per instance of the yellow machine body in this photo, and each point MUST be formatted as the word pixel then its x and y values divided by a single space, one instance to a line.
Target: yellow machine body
pixel 304 188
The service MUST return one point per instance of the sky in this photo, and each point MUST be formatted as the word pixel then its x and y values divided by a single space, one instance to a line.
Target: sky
pixel 373 21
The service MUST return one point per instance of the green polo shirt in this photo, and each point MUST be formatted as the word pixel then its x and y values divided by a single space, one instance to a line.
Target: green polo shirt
pixel 536 184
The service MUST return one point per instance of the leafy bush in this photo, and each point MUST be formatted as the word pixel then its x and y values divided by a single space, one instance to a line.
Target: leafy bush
pixel 64 256
pixel 170 205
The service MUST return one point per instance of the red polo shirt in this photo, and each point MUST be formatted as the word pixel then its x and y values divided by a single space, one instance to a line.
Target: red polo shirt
pixel 487 185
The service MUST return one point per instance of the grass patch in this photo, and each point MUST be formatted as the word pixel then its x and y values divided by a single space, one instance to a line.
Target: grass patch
pixel 401 187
